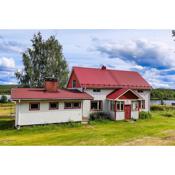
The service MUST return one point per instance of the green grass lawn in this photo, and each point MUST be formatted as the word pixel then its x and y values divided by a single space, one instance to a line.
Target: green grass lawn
pixel 159 130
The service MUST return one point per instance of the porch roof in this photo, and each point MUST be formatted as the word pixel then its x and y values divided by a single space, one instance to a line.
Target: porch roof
pixel 116 94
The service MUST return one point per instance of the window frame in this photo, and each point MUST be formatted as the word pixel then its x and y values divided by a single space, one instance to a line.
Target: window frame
pixel 121 103
pixel 72 106
pixel 50 108
pixel 30 109
pixel 141 104
pixel 98 104
pixel 97 90
pixel 112 105
pixel 137 105
pixel 74 83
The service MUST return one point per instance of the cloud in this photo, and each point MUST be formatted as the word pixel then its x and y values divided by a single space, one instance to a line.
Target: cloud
pixel 154 60
pixel 10 46
pixel 7 71
pixel 143 52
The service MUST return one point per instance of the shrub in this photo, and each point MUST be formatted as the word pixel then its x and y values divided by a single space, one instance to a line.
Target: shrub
pixel 4 99
pixel 100 116
pixel 168 114
pixel 144 115
pixel 162 107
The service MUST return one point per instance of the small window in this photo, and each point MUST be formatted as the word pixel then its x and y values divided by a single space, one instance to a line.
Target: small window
pixel 112 104
pixel 72 105
pixel 67 105
pixel 34 106
pixel 140 91
pixel 53 105
pixel 76 105
pixel 143 104
pixel 74 83
pixel 135 105
pixel 96 105
pixel 120 105
pixel 96 90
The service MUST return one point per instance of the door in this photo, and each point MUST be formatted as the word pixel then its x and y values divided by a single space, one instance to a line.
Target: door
pixel 127 112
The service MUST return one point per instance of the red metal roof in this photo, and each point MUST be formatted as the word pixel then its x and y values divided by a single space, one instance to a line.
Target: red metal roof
pixel 107 78
pixel 119 92
pixel 40 93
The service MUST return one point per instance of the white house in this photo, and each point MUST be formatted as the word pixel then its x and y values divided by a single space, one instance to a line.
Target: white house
pixel 121 93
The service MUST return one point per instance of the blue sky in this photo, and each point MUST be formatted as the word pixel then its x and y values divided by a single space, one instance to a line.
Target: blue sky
pixel 150 52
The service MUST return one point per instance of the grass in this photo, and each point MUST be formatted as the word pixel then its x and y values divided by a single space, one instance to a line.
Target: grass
pixel 159 130
pixel 7 109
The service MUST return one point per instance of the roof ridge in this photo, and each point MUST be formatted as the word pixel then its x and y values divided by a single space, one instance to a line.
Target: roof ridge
pixel 81 67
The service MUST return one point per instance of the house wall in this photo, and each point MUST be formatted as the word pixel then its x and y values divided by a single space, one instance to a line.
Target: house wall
pixel 86 108
pixel 43 116
pixel 100 96
pixel 120 115
pixel 146 95
pixel 135 114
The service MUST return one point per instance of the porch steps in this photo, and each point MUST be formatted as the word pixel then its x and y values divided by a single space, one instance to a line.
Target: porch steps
pixel 85 121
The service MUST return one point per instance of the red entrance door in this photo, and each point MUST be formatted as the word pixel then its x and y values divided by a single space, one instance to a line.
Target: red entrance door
pixel 127 112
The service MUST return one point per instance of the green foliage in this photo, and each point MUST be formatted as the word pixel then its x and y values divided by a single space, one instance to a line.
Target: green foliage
pixel 100 116
pixel 6 89
pixel 163 94
pixel 162 107
pixel 44 59
pixel 3 99
pixel 144 115
pixel 168 114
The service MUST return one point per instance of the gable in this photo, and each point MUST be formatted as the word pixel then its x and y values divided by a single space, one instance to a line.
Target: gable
pixel 71 79
pixel 128 95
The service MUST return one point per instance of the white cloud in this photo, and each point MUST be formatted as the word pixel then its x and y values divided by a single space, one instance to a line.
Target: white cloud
pixel 7 62
pixel 142 51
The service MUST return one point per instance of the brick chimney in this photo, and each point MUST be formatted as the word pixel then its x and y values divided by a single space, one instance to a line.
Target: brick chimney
pixel 51 84
pixel 103 67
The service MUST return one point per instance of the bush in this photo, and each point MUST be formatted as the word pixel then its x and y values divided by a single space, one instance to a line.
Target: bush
pixel 100 116
pixel 162 107
pixel 144 115
pixel 168 114
pixel 4 99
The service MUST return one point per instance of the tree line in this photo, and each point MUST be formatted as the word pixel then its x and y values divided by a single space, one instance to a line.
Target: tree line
pixel 163 94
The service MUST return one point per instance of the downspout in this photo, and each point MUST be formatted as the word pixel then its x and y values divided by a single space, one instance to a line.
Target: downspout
pixel 82 110
pixel 115 109
pixel 17 115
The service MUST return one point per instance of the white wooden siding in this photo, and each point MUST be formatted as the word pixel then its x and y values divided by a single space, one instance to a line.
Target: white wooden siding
pixel 26 117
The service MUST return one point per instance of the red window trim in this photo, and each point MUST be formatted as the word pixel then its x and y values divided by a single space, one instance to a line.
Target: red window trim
pixel 72 106
pixel 34 109
pixel 54 108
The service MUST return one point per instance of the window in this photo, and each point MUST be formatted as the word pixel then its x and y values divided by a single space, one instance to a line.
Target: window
pixel 76 105
pixel 96 105
pixel 112 104
pixel 140 91
pixel 67 105
pixel 53 105
pixel 34 106
pixel 96 90
pixel 142 104
pixel 135 105
pixel 120 105
pixel 74 83
pixel 72 105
